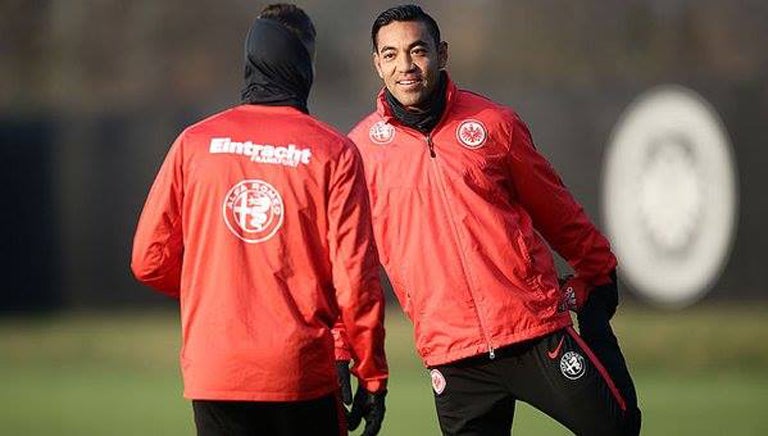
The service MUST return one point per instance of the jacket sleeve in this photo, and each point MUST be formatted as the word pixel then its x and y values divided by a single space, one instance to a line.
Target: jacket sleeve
pixel 355 270
pixel 555 213
pixel 158 243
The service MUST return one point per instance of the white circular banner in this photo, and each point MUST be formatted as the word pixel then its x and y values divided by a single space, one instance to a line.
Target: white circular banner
pixel 670 195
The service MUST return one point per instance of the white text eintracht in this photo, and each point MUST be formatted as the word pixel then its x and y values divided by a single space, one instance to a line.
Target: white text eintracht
pixel 289 155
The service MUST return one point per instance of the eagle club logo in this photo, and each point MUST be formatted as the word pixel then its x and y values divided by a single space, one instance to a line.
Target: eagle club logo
pixel 253 210
pixel 381 133
pixel 438 381
pixel 572 365
pixel 471 134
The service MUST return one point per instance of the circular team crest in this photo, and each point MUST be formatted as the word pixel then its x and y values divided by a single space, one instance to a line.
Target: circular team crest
pixel 438 381
pixel 471 134
pixel 381 133
pixel 572 365
pixel 253 210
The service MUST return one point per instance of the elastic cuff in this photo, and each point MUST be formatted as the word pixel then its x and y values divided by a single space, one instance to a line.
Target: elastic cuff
pixel 375 386
pixel 342 354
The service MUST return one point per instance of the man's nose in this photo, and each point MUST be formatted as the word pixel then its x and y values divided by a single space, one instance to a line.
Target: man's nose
pixel 405 64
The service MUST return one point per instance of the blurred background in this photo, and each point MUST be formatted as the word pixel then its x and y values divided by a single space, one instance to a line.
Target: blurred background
pixel 92 93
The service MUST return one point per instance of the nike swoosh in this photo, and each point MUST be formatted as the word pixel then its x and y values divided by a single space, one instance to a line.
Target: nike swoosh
pixel 553 354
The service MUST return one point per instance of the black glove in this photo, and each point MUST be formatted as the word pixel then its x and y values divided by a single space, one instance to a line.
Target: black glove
pixel 605 297
pixel 370 407
pixel 342 372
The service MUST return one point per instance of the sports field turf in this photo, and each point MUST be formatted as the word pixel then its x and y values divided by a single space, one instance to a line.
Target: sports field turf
pixel 703 371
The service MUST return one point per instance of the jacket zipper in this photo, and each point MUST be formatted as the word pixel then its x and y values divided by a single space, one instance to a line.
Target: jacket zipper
pixel 431 146
pixel 444 195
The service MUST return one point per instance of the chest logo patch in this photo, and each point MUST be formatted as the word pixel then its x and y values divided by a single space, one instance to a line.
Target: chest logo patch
pixel 471 134
pixel 253 211
pixel 381 133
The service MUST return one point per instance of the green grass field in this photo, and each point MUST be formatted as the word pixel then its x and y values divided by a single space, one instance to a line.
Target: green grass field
pixel 703 371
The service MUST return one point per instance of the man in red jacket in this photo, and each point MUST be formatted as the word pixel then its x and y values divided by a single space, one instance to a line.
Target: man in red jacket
pixel 463 208
pixel 259 222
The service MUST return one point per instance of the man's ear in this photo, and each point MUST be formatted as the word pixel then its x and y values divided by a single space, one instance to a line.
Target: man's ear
pixel 377 64
pixel 442 55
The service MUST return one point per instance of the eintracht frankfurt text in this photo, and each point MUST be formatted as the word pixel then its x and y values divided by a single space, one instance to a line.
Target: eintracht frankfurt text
pixel 289 155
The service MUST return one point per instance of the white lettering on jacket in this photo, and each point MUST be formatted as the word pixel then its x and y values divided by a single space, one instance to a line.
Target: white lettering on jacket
pixel 290 155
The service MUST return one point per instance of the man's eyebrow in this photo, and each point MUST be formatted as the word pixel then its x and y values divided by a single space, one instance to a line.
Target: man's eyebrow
pixel 410 46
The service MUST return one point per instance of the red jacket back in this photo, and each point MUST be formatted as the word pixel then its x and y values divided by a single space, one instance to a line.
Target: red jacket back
pixel 259 221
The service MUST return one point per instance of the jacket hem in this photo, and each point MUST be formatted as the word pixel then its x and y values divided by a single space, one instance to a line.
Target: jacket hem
pixel 230 395
pixel 501 341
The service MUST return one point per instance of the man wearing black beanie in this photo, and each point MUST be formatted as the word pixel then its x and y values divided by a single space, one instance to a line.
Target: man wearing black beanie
pixel 258 222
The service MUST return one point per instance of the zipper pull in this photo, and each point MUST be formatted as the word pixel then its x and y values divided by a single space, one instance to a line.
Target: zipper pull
pixel 492 353
pixel 431 146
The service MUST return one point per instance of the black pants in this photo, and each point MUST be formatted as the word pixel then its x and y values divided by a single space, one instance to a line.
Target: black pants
pixel 247 418
pixel 586 388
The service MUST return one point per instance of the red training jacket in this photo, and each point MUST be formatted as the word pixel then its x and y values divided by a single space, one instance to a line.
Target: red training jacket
pixel 259 221
pixel 461 217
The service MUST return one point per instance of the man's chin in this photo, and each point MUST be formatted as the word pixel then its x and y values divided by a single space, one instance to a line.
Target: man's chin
pixel 409 100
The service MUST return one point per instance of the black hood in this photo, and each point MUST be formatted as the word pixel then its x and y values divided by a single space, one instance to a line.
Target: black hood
pixel 278 67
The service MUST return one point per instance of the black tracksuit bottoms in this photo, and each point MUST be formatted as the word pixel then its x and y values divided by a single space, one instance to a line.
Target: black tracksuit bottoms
pixel 580 380
pixel 321 417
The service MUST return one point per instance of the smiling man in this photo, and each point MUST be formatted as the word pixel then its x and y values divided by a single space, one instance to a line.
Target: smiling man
pixel 463 208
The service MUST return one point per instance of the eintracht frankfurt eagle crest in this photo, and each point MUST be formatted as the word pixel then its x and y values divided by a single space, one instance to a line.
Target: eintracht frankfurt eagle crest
pixel 471 134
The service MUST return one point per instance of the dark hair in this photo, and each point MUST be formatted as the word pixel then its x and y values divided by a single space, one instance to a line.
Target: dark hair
pixel 293 18
pixel 404 13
